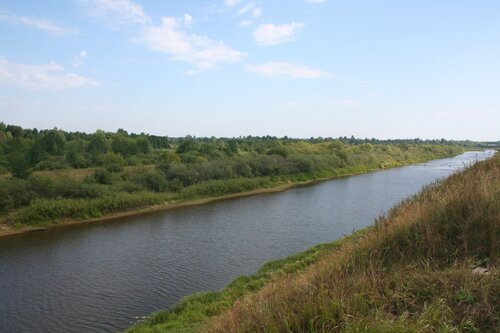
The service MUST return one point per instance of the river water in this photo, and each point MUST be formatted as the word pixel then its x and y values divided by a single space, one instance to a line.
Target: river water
pixel 98 277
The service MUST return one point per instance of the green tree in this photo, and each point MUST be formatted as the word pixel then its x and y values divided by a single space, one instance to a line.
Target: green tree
pixel 113 162
pixel 143 145
pixel 75 153
pixel 124 145
pixel 98 143
pixel 98 146
pixel 187 144
pixel 18 157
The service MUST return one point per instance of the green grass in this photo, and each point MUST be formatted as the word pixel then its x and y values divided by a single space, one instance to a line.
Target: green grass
pixel 43 211
pixel 197 308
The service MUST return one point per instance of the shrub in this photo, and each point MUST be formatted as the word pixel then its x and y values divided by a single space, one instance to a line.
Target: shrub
pixel 16 193
pixel 103 176
pixel 113 162
pixel 52 210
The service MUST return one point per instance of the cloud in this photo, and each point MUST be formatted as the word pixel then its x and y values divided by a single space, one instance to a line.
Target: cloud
pixel 285 70
pixel 40 24
pixel 257 12
pixel 41 77
pixel 247 8
pixel 188 19
pixel 199 50
pixel 316 1
pixel 253 11
pixel 79 59
pixel 231 3
pixel 270 34
pixel 170 36
pixel 121 12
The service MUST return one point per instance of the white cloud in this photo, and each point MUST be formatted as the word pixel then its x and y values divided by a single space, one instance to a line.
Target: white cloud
pixel 231 3
pixel 285 70
pixel 40 24
pixel 80 58
pixel 257 12
pixel 248 7
pixel 169 37
pixel 316 1
pixel 365 82
pixel 41 77
pixel 188 19
pixel 199 50
pixel 117 11
pixel 270 34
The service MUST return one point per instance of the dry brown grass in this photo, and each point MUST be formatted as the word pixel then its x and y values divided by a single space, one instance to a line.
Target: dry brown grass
pixel 411 273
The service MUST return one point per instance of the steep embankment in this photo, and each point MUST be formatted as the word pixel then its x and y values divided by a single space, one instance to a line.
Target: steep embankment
pixel 430 265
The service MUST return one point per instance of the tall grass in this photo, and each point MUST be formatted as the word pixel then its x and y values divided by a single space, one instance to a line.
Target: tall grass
pixel 410 272
pixel 53 210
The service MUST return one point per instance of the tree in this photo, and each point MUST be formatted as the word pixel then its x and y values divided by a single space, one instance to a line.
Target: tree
pixel 75 153
pixel 187 144
pixel 18 158
pixel 124 145
pixel 53 141
pixel 113 162
pixel 165 160
pixel 98 143
pixel 143 145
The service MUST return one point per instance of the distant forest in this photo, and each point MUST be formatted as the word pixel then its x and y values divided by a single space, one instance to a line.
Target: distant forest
pixel 48 176
pixel 25 150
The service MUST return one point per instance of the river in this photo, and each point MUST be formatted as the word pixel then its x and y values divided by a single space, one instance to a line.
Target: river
pixel 97 277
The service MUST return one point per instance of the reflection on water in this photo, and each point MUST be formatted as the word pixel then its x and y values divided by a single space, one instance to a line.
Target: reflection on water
pixel 98 277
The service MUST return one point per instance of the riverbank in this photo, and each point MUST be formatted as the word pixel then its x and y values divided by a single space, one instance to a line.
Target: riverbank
pixel 6 230
pixel 431 264
pixel 177 177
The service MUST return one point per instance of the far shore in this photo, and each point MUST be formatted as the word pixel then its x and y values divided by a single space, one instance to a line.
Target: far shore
pixel 6 230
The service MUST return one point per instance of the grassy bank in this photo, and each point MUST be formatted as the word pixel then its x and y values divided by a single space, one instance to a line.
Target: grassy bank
pixel 48 198
pixel 413 271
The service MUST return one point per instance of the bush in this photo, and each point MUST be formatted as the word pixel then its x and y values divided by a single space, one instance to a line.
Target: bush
pixel 214 188
pixel 52 163
pixel 15 193
pixel 154 180
pixel 113 162
pixel 103 176
pixel 45 210
pixel 127 186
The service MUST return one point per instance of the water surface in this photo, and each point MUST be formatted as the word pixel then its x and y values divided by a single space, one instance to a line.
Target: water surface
pixel 98 277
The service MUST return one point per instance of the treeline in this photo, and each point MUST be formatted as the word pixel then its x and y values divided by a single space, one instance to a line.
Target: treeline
pixel 23 151
pixel 105 172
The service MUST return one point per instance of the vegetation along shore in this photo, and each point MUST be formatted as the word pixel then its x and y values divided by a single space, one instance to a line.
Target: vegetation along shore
pixel 54 177
pixel 431 264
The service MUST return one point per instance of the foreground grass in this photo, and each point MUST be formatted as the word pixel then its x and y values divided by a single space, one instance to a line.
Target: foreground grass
pixel 410 272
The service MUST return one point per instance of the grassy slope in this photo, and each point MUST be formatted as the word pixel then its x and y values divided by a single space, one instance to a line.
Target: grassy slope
pixel 410 272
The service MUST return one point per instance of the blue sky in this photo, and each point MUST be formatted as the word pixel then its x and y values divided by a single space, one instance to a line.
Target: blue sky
pixel 384 69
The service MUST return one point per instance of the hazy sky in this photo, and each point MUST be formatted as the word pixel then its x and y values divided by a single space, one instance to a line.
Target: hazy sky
pixel 302 68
